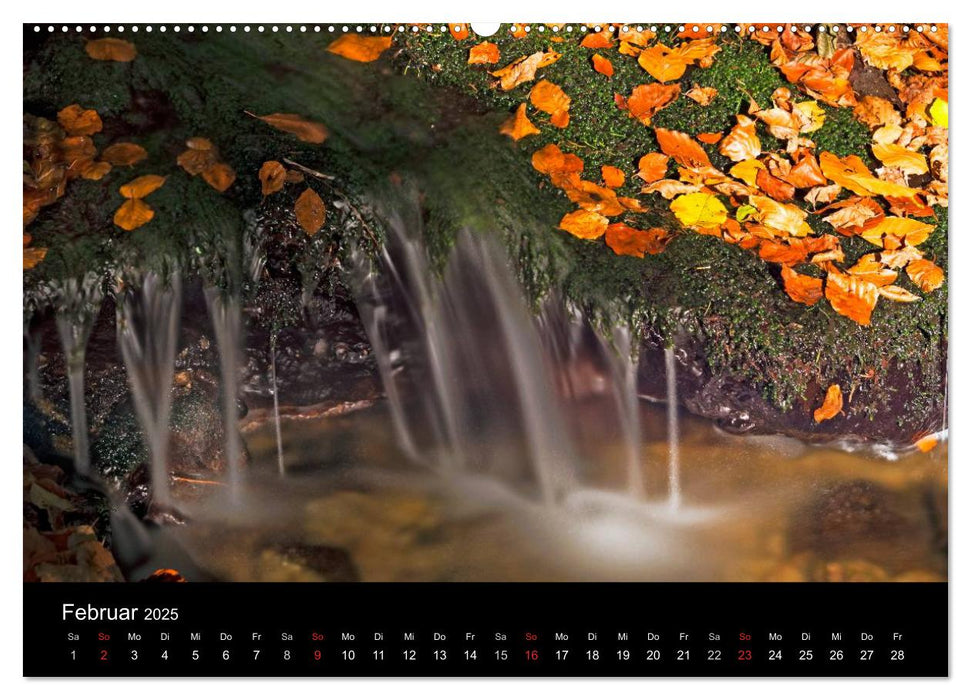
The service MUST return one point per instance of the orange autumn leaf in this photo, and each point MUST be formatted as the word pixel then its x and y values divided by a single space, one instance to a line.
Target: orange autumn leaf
pixel 524 69
pixel 304 129
pixel 853 216
pixel 549 97
pixel 550 160
pixel 613 177
pixel 272 177
pixel 742 143
pixel 801 288
pixel 589 195
pixel 662 63
pixel 363 49
pixel 684 149
pixel 710 138
pixel 78 121
pixel 95 170
pixel 219 176
pixel 459 31
pixel 124 154
pixel 518 125
pixel 111 50
pixel 310 211
pixel 910 162
pixel 702 95
pixel 486 52
pixel 773 186
pixel 598 40
pixel 195 161
pixel 927 443
pixel 141 186
pixel 624 240
pixel 132 214
pixel 652 167
pixel 584 224
pixel 647 100
pixel 832 404
pixel 925 274
pixel 33 257
pixel 851 297
pixel 603 65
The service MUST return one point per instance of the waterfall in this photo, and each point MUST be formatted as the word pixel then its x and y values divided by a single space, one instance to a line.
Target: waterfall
pixel 276 407
pixel 628 412
pixel 226 318
pixel 77 305
pixel 674 457
pixel 148 327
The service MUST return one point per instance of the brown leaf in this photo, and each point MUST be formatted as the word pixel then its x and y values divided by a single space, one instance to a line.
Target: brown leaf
pixel 195 161
pixel 832 404
pixel 310 211
pixel 111 50
pixel 363 49
pixel 272 176
pixel 486 52
pixel 518 125
pixel 124 154
pixel 304 129
pixel 219 176
pixel 78 121
pixel 132 214
pixel 141 186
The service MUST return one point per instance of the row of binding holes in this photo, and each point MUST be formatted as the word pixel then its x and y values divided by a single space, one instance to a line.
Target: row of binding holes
pixel 541 28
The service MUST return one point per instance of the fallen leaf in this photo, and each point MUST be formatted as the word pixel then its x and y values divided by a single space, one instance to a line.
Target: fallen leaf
pixel 624 240
pixel 486 52
pixel 927 443
pixel 894 232
pixel 709 137
pixel 304 129
pixel 801 288
pixel 876 112
pixel 95 170
pixel 363 49
pixel 518 125
pixel 741 142
pixel 774 187
pixel 892 155
pixel 787 218
pixel 851 296
pixel 702 95
pixel 141 186
pixel 550 160
pixel 603 65
pixel 219 176
pixel 272 177
pixel 613 177
pixel 111 50
pixel 925 274
pixel 832 404
pixel 598 40
pixel 899 294
pixel 684 149
pixel 584 224
pixel 662 63
pixel 699 210
pixel 124 153
pixel 550 98
pixel 78 121
pixel 310 211
pixel 33 257
pixel 524 69
pixel 132 214
pixel 459 31
pixel 652 167
pixel 647 100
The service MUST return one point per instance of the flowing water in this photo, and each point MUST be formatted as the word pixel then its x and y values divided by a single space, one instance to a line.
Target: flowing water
pixel 514 447
pixel 224 312
pixel 148 327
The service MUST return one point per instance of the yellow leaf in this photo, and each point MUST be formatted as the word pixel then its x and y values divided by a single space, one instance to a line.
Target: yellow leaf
pixel 938 112
pixel 813 115
pixel 747 171
pixel 310 211
pixel 832 404
pixel 909 162
pixel 111 50
pixel 363 49
pixel 925 274
pixel 894 232
pixel 699 210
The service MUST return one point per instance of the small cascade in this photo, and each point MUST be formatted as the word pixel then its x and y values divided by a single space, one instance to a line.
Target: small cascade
pixel 77 305
pixel 674 457
pixel 224 310
pixel 31 357
pixel 628 411
pixel 148 328
pixel 276 407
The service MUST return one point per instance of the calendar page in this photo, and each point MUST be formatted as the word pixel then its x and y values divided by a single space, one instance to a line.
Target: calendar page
pixel 519 349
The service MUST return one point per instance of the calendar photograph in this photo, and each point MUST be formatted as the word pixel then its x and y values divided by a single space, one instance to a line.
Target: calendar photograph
pixel 415 303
